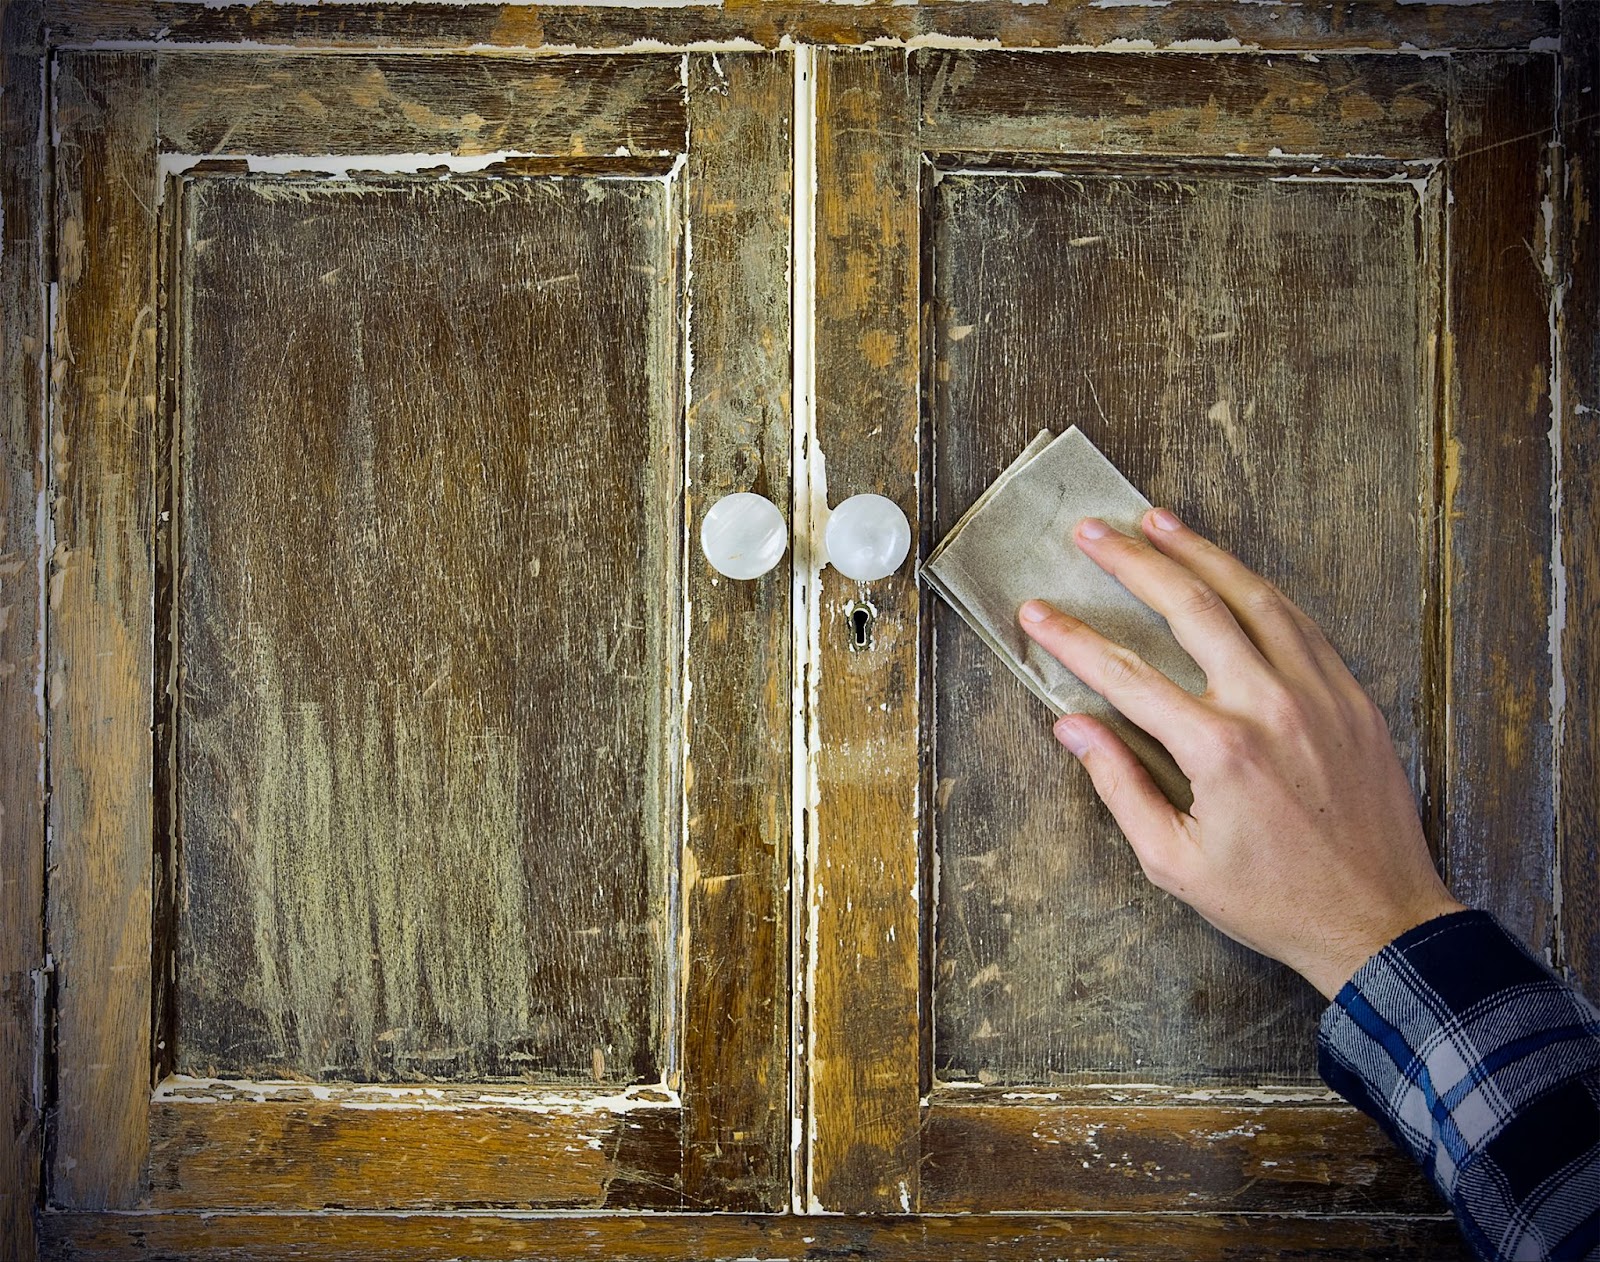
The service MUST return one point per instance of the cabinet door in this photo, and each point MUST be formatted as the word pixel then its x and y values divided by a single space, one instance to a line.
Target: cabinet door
pixel 374 418
pixel 1302 300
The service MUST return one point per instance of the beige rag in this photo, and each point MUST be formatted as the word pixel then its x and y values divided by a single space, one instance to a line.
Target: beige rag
pixel 1016 543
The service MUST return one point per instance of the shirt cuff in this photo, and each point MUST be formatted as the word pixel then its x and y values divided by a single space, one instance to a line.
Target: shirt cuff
pixel 1446 1033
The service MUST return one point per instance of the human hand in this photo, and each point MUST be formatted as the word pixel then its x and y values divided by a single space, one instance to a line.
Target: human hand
pixel 1303 841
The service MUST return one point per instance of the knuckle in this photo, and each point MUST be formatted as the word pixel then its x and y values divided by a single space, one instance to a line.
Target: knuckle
pixel 1120 666
pixel 1263 598
pixel 1199 600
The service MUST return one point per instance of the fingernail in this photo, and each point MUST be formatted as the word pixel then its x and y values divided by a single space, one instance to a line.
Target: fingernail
pixel 1070 735
pixel 1164 520
pixel 1035 611
pixel 1093 528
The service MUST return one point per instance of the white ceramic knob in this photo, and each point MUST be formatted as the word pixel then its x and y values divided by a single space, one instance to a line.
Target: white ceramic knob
pixel 743 535
pixel 867 537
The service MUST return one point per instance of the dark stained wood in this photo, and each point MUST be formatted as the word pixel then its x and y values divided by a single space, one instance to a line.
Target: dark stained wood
pixel 1315 1159
pixel 1226 24
pixel 103 367
pixel 1499 842
pixel 1187 104
pixel 309 104
pixel 865 881
pixel 1578 810
pixel 22 484
pixel 1148 1238
pixel 736 1028
pixel 373 1153
pixel 1249 351
pixel 426 629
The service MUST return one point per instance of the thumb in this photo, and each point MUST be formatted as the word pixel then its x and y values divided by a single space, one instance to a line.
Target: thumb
pixel 1152 825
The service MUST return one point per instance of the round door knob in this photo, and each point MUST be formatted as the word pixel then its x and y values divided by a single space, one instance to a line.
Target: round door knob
pixel 743 535
pixel 867 537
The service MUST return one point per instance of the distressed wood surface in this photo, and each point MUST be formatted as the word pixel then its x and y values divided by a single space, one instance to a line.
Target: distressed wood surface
pixel 1578 751
pixel 103 368
pixel 865 881
pixel 1249 352
pixel 1499 841
pixel 1199 1158
pixel 371 1154
pixel 22 487
pixel 308 104
pixel 1182 104
pixel 736 862
pixel 1149 1238
pixel 1225 24
pixel 426 629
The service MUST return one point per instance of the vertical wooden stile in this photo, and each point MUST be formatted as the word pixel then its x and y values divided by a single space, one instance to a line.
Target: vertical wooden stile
pixel 736 781
pixel 1499 841
pixel 864 902
pixel 98 684
pixel 22 426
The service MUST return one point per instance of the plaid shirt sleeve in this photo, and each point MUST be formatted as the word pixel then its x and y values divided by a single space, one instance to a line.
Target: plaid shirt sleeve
pixel 1485 1067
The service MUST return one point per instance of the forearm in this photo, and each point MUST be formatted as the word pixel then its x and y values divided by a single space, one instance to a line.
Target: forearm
pixel 1486 1068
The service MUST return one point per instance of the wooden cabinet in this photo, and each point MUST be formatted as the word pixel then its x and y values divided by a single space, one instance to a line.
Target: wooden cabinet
pixel 440 859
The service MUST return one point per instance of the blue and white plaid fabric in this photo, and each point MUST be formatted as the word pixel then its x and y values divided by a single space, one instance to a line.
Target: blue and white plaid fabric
pixel 1485 1067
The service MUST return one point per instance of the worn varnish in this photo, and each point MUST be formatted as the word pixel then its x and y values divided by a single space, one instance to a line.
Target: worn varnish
pixel 425 629
pixel 1245 350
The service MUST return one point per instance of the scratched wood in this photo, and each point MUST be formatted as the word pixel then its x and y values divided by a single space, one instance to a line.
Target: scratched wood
pixel 309 104
pixel 1196 104
pixel 22 483
pixel 425 629
pixel 1320 24
pixel 736 1034
pixel 1499 815
pixel 864 884
pixel 99 684
pixel 959 1238
pixel 1579 751
pixel 375 1154
pixel 1248 351
pixel 1303 1158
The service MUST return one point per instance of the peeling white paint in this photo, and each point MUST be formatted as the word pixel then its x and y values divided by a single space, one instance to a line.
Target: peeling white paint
pixel 184 1089
pixel 806 625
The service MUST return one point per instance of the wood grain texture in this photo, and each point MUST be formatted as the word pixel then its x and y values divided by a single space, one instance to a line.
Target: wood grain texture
pixel 1189 104
pixel 1319 24
pixel 427 631
pixel 1578 810
pixel 220 103
pixel 377 1154
pixel 1308 1159
pixel 736 1028
pixel 99 683
pixel 1149 1238
pixel 1251 352
pixel 866 880
pixel 23 330
pixel 1499 841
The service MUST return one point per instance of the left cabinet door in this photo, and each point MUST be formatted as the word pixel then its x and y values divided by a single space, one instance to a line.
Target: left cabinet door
pixel 385 403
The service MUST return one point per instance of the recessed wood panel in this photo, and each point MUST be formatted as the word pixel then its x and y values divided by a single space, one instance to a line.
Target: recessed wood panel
pixel 1247 350
pixel 425 591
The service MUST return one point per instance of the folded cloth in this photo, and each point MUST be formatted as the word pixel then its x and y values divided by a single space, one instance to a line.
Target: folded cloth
pixel 1016 543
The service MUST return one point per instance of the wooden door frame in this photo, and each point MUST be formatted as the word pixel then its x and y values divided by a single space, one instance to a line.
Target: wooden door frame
pixel 29 37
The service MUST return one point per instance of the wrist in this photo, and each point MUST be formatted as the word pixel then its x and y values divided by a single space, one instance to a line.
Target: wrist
pixel 1344 957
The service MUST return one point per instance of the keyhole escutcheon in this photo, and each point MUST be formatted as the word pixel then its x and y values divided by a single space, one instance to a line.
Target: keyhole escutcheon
pixel 858 617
